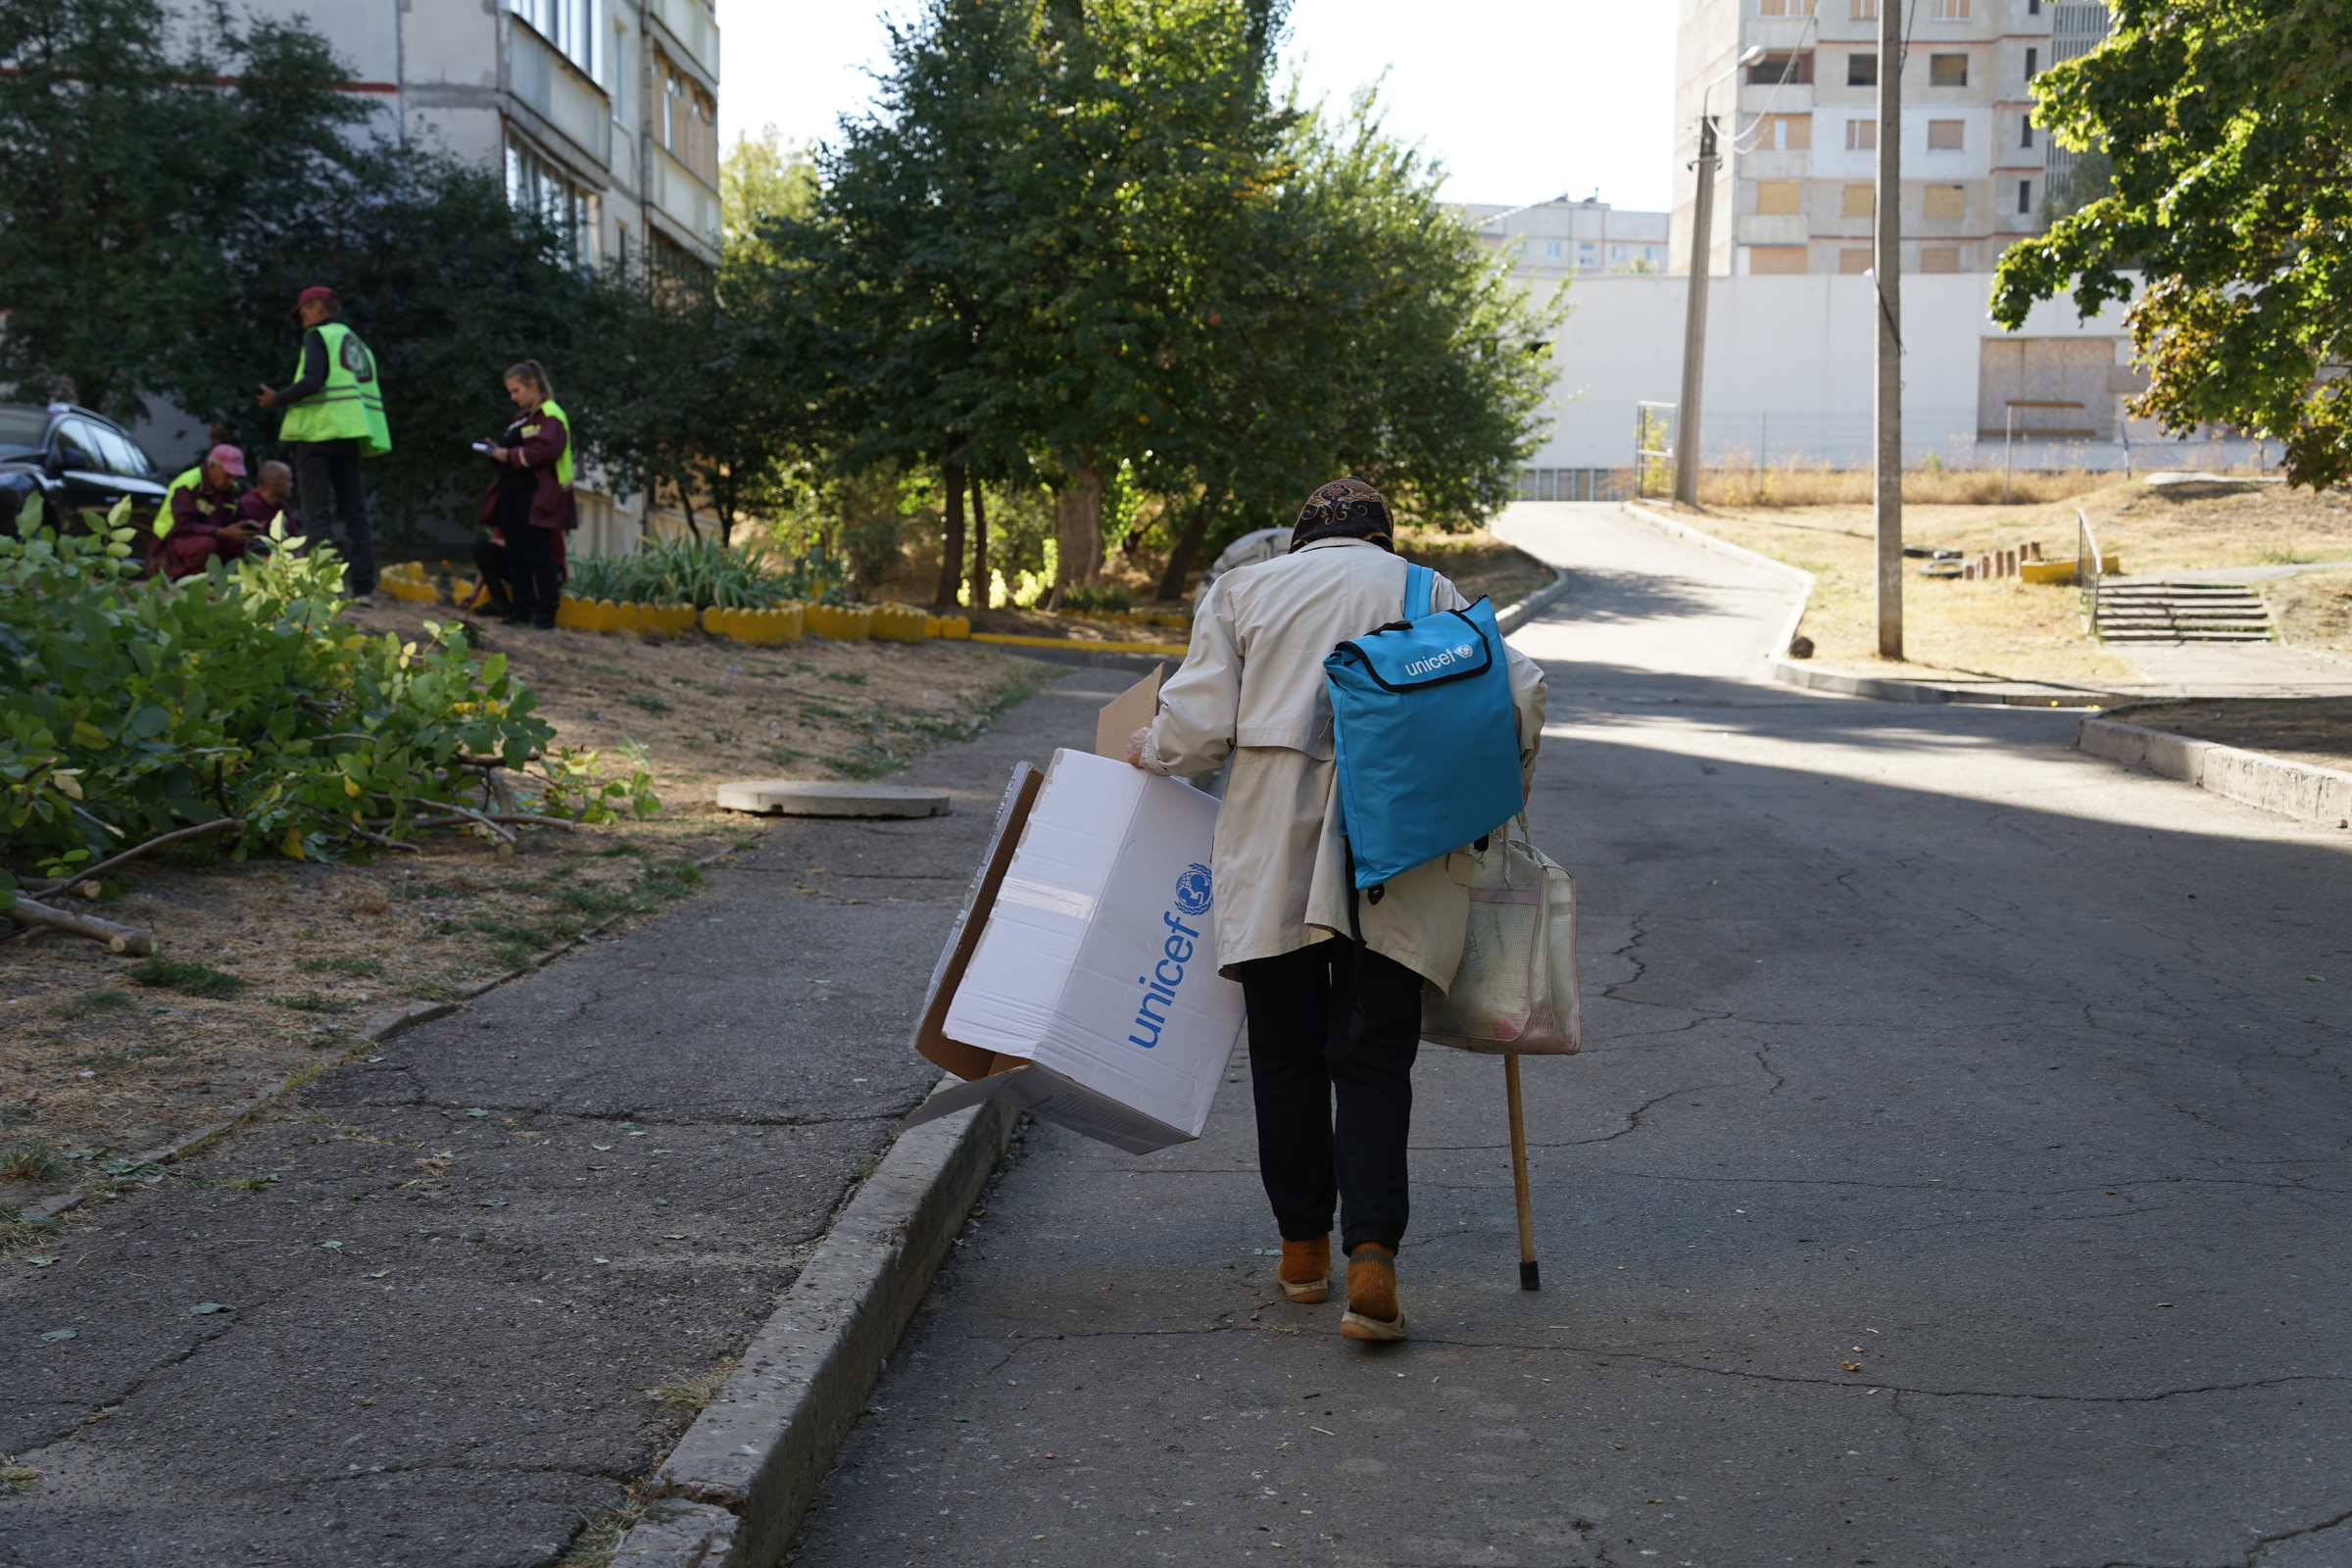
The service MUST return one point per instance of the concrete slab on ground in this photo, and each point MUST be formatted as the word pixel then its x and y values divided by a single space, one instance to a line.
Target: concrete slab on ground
pixel 489 1242
pixel 1955 1175
pixel 792 797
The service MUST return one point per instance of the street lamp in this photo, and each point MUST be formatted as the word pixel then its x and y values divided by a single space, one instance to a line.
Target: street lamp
pixel 1694 322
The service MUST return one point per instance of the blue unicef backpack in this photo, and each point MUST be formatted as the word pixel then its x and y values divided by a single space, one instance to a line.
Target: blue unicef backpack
pixel 1424 732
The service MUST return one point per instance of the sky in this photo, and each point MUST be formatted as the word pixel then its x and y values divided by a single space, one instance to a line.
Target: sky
pixel 1520 100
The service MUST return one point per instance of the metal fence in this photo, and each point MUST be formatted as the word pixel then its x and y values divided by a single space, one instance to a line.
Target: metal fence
pixel 1655 431
pixel 1575 484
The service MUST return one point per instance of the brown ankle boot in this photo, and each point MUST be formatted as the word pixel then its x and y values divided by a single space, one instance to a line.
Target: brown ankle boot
pixel 1372 1309
pixel 1304 1271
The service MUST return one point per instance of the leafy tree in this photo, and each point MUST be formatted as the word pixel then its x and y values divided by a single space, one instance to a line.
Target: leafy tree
pixel 2225 127
pixel 760 180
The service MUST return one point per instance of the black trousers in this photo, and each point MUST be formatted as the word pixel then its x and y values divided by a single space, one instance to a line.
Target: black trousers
pixel 531 573
pixel 327 479
pixel 490 567
pixel 1305 1055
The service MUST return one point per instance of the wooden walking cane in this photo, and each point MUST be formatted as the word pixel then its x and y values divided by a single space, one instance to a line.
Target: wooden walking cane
pixel 1529 1277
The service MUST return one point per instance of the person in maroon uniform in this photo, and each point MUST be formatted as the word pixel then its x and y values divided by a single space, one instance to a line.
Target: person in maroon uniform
pixel 205 518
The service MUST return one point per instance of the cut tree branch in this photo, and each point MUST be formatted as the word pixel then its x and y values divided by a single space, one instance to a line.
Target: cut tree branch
pixel 117 937
pixel 228 824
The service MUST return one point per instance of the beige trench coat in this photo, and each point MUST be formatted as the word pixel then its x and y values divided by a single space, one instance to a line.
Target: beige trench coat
pixel 1252 686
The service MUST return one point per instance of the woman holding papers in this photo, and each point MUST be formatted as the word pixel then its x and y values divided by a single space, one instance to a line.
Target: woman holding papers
pixel 1328 1019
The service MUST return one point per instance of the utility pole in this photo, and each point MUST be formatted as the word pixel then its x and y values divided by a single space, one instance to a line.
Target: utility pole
pixel 1886 273
pixel 1694 318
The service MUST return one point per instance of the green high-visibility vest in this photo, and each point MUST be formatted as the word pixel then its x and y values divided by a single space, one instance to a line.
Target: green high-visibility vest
pixel 564 459
pixel 186 481
pixel 351 406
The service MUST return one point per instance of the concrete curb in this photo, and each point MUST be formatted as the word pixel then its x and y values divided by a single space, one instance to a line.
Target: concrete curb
pixel 2300 790
pixel 1877 688
pixel 758 1453
pixel 1511 618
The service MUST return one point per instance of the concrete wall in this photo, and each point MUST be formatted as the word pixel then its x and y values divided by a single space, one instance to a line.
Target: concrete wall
pixel 1788 374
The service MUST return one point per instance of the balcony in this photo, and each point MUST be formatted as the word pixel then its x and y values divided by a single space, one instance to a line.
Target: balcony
pixel 553 87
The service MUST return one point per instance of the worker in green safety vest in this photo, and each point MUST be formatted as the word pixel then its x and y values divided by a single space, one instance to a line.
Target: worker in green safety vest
pixel 334 416
pixel 529 506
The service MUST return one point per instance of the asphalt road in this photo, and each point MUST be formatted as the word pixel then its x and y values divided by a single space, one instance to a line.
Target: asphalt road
pixel 1956 1175
pixel 486 1242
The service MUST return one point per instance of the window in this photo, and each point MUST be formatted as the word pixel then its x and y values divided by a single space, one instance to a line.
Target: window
pixel 620 73
pixel 1552 248
pixel 1783 132
pixel 1852 262
pixel 1943 201
pixel 1948 11
pixel 1774 70
pixel 569 24
pixel 1861 135
pixel 537 185
pixel 2025 198
pixel 2032 8
pixel 1866 10
pixel 1860 201
pixel 688 120
pixel 1776 259
pixel 1947 71
pixel 1861 71
pixel 2024 130
pixel 1779 197
pixel 1946 135
pixel 1783 8
pixel 2032 62
pixel 1616 253
pixel 1939 259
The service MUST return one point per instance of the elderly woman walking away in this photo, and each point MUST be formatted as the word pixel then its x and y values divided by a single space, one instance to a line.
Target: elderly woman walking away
pixel 530 503
pixel 1328 1018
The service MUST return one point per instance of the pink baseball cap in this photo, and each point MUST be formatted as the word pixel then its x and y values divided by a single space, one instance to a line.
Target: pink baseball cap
pixel 231 461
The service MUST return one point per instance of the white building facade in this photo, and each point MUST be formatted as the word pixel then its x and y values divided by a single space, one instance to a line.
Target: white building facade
pixel 1568 238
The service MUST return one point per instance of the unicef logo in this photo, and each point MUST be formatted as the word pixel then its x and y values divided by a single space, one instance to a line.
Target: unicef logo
pixel 1192 895
pixel 1462 651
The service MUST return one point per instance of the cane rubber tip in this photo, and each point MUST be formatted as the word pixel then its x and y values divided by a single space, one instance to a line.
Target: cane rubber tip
pixel 1529 1275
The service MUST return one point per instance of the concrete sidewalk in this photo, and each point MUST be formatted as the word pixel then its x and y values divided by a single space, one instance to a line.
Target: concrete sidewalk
pixel 1955 1175
pixel 437 1328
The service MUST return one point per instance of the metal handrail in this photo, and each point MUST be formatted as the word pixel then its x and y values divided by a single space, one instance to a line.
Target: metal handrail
pixel 2086 549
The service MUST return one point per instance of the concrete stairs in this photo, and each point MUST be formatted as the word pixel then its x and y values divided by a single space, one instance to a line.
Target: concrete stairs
pixel 2157 611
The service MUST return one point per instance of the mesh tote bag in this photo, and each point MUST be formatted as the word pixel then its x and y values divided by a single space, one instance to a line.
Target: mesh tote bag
pixel 1515 993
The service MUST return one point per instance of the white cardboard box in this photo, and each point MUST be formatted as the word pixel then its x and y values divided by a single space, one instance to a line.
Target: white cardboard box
pixel 1082 980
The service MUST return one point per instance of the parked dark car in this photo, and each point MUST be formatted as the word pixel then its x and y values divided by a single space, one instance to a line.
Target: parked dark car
pixel 75 460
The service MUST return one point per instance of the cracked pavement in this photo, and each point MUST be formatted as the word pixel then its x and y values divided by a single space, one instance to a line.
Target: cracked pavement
pixel 1955 1176
pixel 492 1236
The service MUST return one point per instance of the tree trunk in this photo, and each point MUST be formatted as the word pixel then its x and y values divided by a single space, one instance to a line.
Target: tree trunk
pixel 1078 530
pixel 951 557
pixel 1187 545
pixel 980 579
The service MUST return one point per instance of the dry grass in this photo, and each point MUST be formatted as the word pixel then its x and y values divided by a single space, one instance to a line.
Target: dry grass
pixel 2304 729
pixel 2012 631
pixel 1744 483
pixel 1480 565
pixel 2313 609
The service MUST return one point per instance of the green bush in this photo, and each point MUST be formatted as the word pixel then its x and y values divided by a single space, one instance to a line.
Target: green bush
pixel 130 708
pixel 1106 596
pixel 703 572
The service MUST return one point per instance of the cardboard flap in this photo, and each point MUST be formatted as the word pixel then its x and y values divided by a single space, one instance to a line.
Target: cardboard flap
pixel 1126 714
pixel 930 1040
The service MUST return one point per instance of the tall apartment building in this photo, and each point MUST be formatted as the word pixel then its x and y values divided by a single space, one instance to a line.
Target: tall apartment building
pixel 1563 237
pixel 602 114
pixel 1799 128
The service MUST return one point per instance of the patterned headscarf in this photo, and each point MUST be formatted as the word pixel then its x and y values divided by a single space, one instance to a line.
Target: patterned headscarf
pixel 1345 508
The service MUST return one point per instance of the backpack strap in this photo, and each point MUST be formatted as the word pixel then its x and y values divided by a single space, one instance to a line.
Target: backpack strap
pixel 1419 584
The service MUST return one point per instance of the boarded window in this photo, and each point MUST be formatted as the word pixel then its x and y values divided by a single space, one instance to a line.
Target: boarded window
pixel 1940 258
pixel 1861 71
pixel 1866 10
pixel 1948 11
pixel 1781 259
pixel 1783 8
pixel 1780 196
pixel 1783 132
pixel 1776 70
pixel 1861 201
pixel 1861 135
pixel 1946 135
pixel 1852 262
pixel 2068 381
pixel 1947 71
pixel 1943 201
